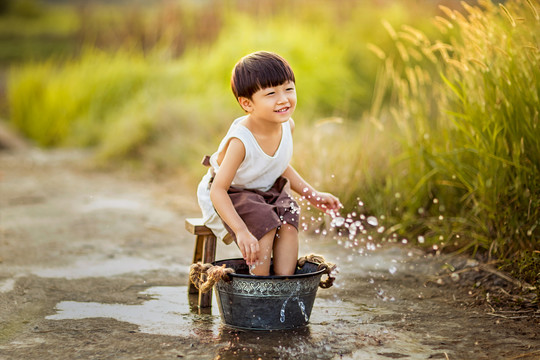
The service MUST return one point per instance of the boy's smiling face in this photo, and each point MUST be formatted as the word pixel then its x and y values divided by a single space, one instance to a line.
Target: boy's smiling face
pixel 274 104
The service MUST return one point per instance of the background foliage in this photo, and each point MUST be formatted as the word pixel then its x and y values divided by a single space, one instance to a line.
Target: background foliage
pixel 428 115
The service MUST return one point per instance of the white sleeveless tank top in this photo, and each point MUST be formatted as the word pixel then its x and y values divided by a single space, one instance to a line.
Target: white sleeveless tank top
pixel 258 171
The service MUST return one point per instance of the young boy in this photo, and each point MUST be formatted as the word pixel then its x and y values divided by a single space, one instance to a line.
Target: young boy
pixel 250 178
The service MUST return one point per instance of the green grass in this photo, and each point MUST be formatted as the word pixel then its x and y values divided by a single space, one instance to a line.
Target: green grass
pixel 469 110
pixel 30 31
pixel 135 92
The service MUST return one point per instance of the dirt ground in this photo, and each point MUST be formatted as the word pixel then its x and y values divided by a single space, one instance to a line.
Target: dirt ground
pixel 94 265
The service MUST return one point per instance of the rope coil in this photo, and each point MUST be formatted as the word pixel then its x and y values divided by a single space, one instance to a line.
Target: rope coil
pixel 205 276
pixel 321 265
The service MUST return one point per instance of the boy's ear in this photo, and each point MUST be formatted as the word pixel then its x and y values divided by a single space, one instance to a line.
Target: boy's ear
pixel 246 104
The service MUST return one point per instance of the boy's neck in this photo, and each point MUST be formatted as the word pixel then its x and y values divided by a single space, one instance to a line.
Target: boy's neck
pixel 262 127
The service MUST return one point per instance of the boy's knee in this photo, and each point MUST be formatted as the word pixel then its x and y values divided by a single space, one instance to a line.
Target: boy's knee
pixel 288 228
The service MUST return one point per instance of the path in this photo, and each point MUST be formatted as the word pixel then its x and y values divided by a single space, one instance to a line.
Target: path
pixel 94 266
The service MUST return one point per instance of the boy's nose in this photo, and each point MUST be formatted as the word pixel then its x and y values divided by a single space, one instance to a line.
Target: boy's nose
pixel 283 98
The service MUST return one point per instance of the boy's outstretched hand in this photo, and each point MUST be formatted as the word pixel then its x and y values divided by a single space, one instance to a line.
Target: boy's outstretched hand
pixel 325 202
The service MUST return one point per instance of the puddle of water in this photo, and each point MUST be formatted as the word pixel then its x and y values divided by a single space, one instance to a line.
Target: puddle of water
pixel 7 285
pixel 168 313
pixel 98 267
pixel 99 203
pixel 336 327
pixel 400 346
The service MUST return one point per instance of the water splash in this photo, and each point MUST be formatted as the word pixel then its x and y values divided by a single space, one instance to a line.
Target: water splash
pixel 303 309
pixel 282 312
pixel 337 221
pixel 292 297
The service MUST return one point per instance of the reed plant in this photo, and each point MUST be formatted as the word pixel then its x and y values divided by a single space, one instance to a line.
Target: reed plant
pixel 468 110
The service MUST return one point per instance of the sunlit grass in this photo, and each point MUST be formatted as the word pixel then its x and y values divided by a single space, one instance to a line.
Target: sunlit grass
pixel 89 100
pixel 67 105
pixel 54 21
pixel 468 111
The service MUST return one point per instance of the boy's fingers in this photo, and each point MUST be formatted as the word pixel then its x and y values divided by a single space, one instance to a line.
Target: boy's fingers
pixel 247 254
pixel 254 249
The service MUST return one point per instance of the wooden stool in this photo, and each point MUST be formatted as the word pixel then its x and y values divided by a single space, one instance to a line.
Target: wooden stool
pixel 205 251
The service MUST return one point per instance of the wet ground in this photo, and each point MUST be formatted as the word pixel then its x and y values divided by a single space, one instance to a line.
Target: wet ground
pixel 94 266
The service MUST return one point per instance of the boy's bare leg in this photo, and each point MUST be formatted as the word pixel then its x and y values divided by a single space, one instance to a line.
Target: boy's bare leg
pixel 262 266
pixel 286 250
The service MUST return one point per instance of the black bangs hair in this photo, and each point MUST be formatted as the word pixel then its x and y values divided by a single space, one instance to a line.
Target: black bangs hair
pixel 257 71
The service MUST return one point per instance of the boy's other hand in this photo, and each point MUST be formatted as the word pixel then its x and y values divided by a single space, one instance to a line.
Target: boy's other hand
pixel 249 246
pixel 325 202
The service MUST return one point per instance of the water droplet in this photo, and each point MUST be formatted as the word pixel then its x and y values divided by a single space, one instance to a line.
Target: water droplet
pixel 372 220
pixel 380 230
pixel 421 239
pixel 338 221
pixel 392 270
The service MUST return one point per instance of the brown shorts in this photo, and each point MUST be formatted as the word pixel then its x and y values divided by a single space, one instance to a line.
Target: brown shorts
pixel 263 211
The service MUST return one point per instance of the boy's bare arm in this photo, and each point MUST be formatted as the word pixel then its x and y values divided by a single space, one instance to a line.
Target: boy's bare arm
pixel 321 200
pixel 234 155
